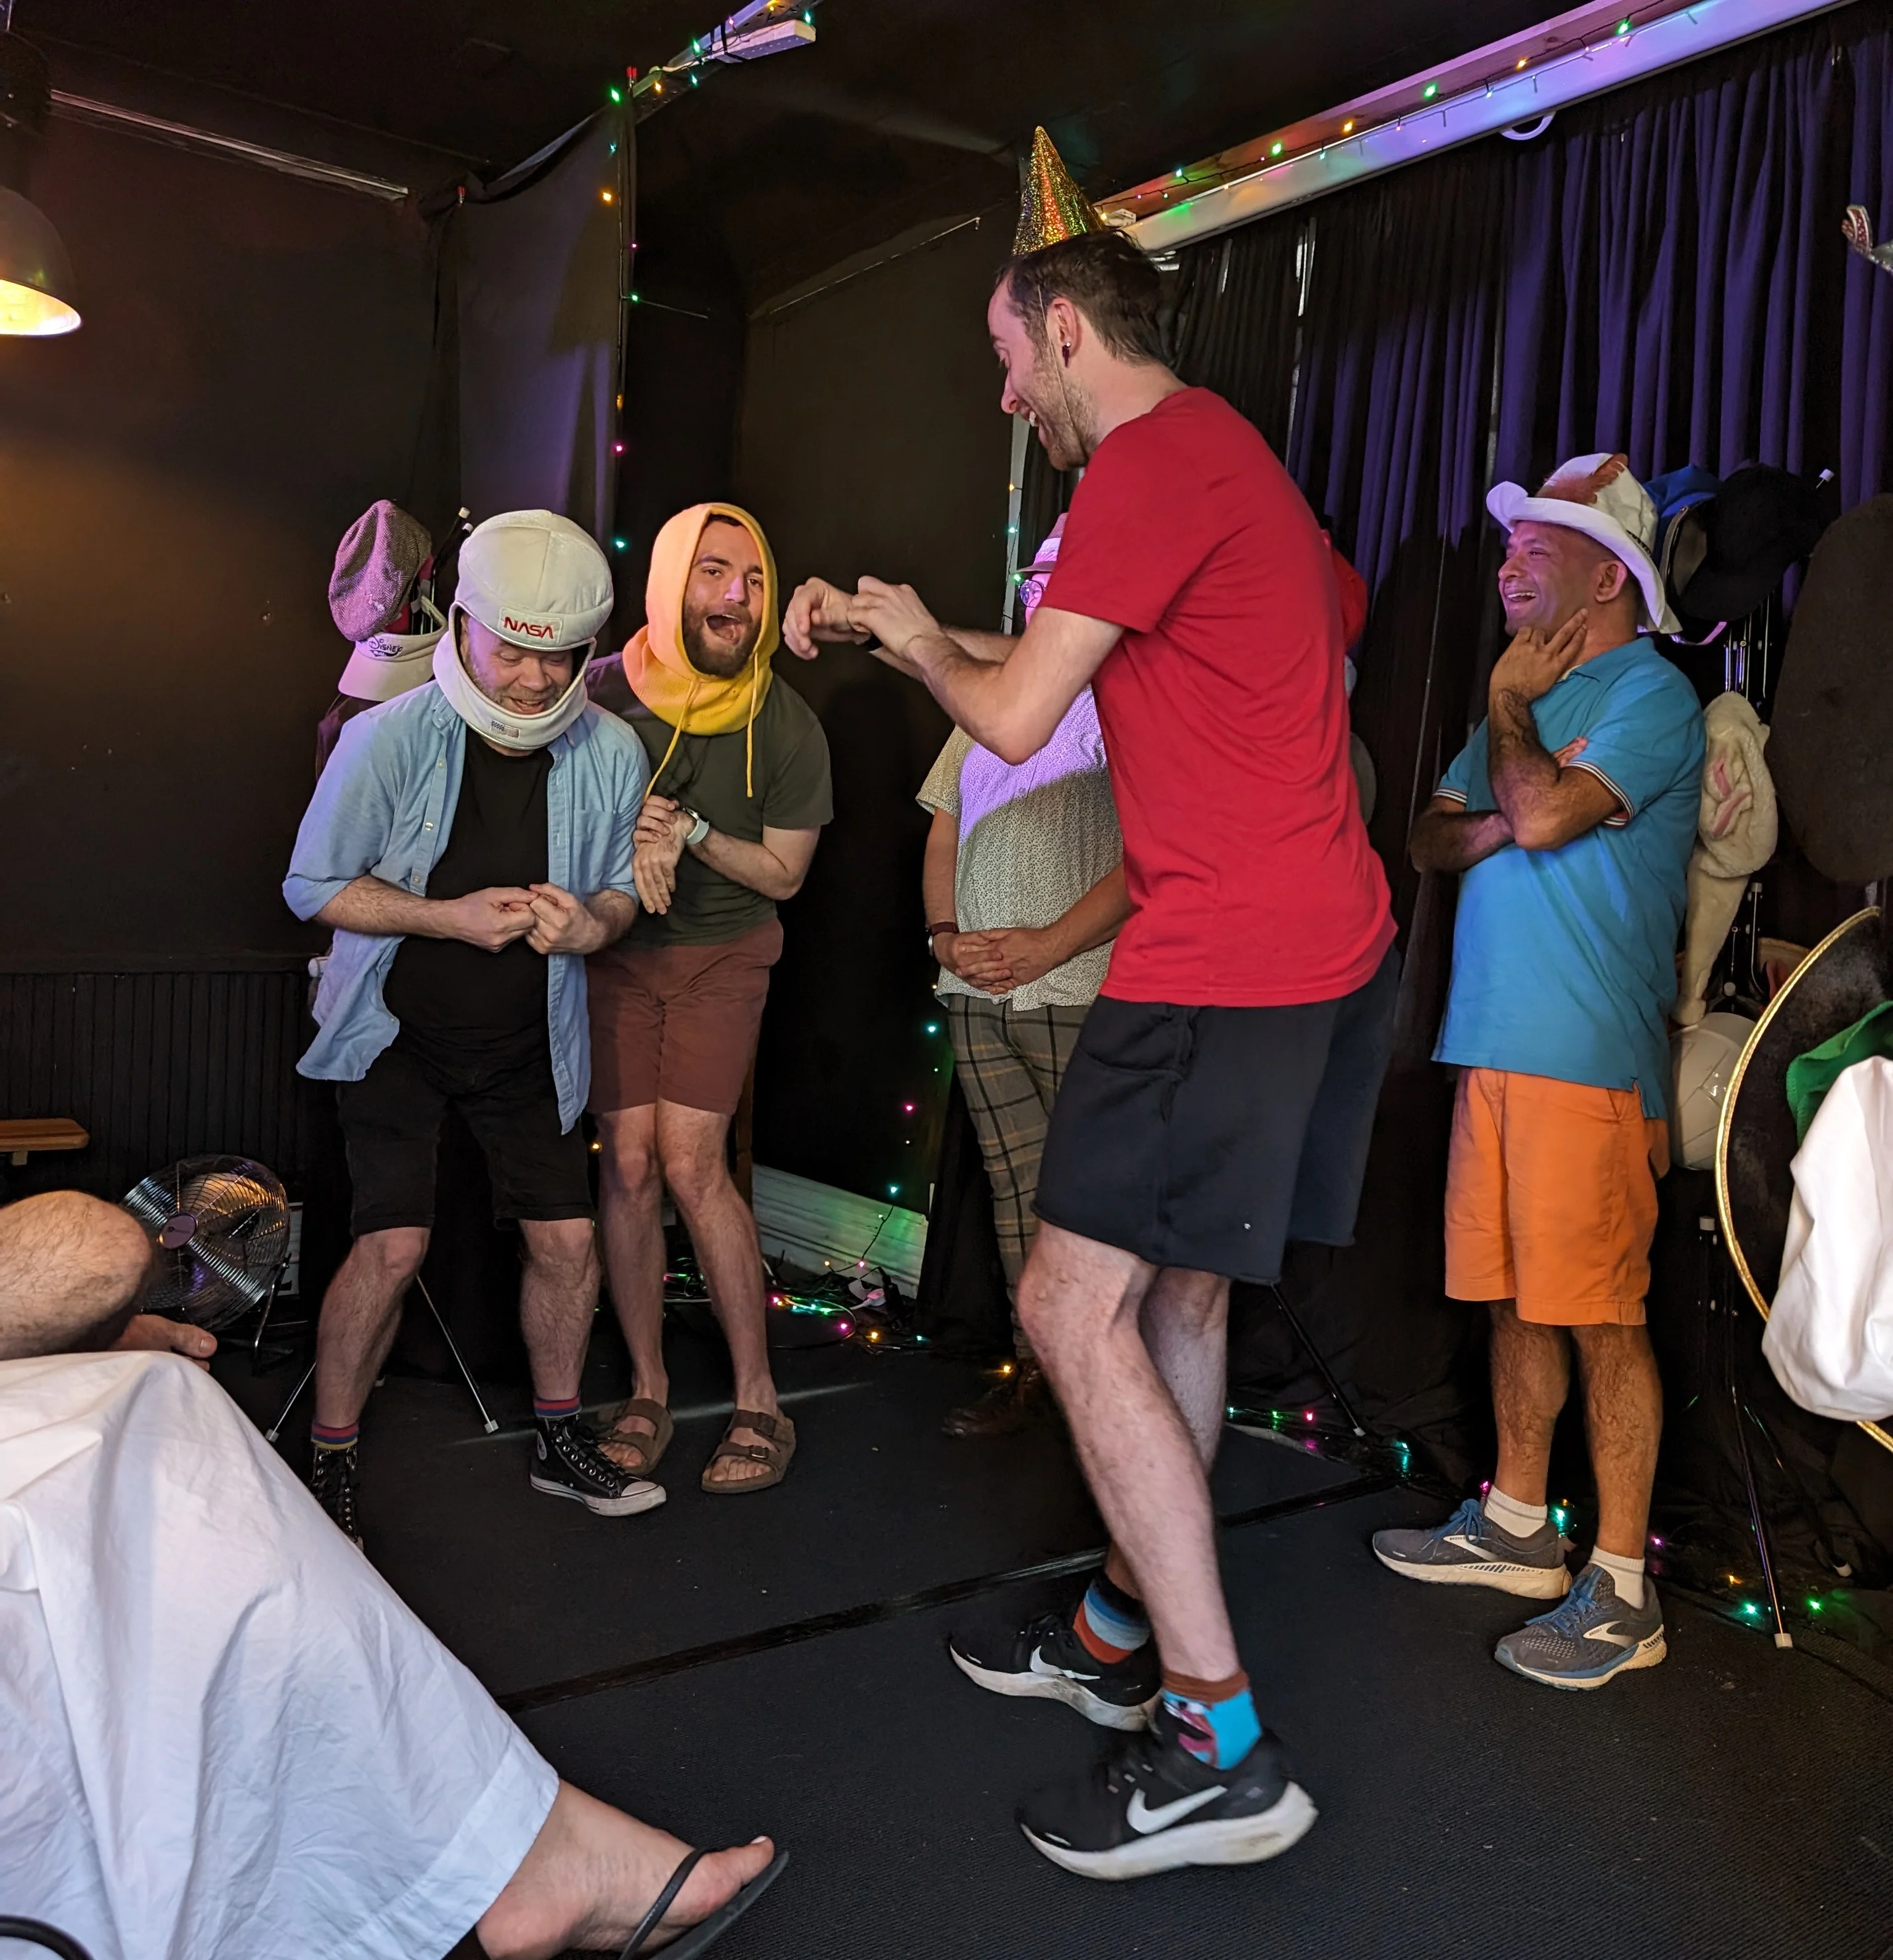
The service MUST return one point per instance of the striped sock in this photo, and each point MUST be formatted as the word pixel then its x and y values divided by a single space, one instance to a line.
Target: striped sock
pixel 1109 1624
pixel 556 1411
pixel 334 1435
pixel 1217 1718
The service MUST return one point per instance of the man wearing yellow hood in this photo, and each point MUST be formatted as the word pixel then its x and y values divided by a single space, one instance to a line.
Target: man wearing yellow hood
pixel 739 794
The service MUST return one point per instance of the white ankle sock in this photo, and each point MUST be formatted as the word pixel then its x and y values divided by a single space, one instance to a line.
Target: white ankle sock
pixel 1521 1520
pixel 1626 1574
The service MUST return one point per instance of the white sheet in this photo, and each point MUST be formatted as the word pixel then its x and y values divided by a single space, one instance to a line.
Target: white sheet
pixel 1829 1334
pixel 221 1734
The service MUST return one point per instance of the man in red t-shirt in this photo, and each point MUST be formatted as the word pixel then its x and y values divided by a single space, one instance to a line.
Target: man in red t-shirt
pixel 1222 1090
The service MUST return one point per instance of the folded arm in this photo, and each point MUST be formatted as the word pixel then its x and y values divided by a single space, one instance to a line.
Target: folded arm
pixel 1547 804
pixel 1448 836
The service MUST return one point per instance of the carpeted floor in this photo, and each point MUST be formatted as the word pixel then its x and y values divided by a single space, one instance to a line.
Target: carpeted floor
pixel 727 1666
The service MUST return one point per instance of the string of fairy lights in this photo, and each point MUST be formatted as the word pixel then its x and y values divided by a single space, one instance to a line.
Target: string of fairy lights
pixel 1189 181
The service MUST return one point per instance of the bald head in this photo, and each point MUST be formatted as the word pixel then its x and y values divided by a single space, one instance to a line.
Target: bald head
pixel 71 1267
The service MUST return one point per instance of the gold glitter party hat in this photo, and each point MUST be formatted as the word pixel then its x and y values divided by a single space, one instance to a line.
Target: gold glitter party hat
pixel 1051 206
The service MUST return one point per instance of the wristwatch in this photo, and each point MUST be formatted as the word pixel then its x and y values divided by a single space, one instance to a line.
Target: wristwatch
pixel 934 931
pixel 699 826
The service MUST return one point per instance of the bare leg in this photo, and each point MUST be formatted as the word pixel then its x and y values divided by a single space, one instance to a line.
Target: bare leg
pixel 690 1144
pixel 558 1294
pixel 1624 1412
pixel 360 1313
pixel 591 1875
pixel 1531 1376
pixel 1082 1304
pixel 1186 1327
pixel 631 1224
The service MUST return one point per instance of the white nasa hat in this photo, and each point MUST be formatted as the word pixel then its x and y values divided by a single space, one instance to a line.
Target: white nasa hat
pixel 536 579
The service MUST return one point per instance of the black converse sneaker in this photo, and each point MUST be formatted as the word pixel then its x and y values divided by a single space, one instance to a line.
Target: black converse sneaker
pixel 1045 1659
pixel 1151 1806
pixel 567 1462
pixel 332 1476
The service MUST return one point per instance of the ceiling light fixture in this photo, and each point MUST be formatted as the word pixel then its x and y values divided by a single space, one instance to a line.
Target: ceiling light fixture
pixel 37 290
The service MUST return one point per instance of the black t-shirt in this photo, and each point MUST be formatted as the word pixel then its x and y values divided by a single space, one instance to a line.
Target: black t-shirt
pixel 445 988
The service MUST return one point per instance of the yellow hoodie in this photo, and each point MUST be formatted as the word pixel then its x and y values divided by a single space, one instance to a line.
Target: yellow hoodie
pixel 660 671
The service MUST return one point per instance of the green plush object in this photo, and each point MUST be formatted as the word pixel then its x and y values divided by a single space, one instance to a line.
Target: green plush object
pixel 1811 1075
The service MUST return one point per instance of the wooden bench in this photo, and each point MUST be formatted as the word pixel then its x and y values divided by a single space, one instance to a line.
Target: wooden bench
pixel 22 1136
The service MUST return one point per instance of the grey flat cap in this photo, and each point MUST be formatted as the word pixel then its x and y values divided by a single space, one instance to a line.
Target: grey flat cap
pixel 376 566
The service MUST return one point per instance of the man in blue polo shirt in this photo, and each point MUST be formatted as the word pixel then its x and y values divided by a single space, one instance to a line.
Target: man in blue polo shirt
pixel 1570 814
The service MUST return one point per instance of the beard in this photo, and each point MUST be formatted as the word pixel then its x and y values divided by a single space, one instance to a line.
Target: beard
pixel 1066 428
pixel 719 655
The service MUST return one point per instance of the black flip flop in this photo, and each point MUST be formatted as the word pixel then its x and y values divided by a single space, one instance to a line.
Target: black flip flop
pixel 698 1939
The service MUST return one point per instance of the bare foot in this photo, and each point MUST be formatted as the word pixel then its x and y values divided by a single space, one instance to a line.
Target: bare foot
pixel 590 1878
pixel 628 1446
pixel 733 1470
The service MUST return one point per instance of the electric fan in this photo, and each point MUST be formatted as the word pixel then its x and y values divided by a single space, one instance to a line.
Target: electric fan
pixel 221 1228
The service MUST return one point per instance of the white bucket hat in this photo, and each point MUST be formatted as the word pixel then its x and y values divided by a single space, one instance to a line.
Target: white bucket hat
pixel 1597 495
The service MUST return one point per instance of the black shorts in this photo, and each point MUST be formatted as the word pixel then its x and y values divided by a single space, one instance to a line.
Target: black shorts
pixel 1208 1137
pixel 391 1123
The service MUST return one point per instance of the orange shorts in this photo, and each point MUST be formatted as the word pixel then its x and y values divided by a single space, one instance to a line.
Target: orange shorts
pixel 1551 1198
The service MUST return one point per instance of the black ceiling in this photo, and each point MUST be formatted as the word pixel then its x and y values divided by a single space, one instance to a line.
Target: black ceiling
pixel 904 111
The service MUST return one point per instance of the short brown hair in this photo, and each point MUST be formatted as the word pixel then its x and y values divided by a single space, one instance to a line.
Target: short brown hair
pixel 1105 276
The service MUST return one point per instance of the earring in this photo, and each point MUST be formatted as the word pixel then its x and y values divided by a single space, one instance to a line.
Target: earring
pixel 1065 348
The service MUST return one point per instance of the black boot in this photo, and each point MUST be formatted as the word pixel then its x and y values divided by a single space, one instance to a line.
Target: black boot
pixel 332 1476
pixel 1020 1398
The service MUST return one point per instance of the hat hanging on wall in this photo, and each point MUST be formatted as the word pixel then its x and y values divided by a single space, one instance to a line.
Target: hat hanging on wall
pixel 38 294
pixel 375 595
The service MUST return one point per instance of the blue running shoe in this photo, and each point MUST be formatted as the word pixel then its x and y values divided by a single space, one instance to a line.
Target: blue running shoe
pixel 1469 1550
pixel 1591 1636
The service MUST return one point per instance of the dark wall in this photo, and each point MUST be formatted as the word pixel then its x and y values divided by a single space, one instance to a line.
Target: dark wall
pixel 870 439
pixel 175 476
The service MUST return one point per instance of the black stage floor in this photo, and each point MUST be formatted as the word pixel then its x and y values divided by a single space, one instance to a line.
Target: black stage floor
pixel 725 1666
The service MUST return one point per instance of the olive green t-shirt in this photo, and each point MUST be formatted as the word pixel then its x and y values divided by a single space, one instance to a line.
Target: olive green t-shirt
pixel 705 772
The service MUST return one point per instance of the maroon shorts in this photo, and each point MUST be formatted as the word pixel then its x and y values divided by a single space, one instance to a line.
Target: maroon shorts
pixel 677 1023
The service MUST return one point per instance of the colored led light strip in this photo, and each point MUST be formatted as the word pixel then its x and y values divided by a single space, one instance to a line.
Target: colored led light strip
pixel 1626 51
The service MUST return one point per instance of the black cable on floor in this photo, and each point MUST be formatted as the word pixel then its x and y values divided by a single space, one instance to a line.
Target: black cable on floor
pixel 741 1646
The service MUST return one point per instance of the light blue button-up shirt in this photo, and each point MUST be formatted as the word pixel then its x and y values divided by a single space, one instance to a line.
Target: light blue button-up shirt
pixel 384 808
pixel 1564 962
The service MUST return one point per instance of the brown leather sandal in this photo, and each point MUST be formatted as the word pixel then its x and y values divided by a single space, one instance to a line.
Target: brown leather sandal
pixel 776 1449
pixel 649 1447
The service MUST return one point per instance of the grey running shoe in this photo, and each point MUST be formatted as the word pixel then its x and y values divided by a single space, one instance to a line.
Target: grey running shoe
pixel 1592 1636
pixel 1469 1550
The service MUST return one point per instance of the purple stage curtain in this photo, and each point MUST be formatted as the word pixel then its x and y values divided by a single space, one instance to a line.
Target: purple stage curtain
pixel 1236 308
pixel 1865 363
pixel 1676 283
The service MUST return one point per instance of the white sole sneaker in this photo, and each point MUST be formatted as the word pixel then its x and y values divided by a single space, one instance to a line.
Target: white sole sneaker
pixel 641 1497
pixel 1649 1652
pixel 1059 1687
pixel 1528 1582
pixel 1233 1840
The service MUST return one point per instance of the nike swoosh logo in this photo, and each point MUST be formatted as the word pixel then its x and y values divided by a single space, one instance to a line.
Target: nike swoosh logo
pixel 1041 1666
pixel 1144 1820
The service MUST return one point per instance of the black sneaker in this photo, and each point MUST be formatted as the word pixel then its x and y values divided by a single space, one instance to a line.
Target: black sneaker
pixel 1046 1659
pixel 1151 1806
pixel 567 1462
pixel 332 1476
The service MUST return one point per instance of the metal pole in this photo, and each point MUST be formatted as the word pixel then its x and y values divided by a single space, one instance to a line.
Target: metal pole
pixel 1321 1366
pixel 295 1396
pixel 466 1373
